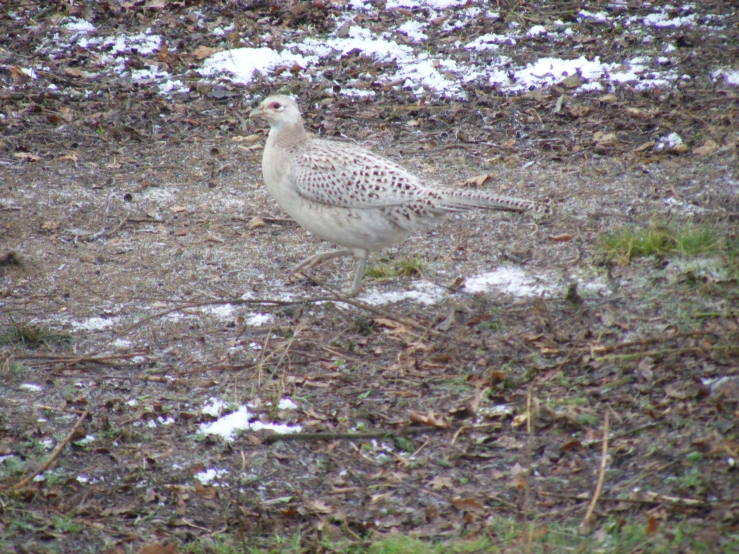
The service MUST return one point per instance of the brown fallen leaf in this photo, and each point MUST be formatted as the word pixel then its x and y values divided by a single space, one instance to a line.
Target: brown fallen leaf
pixel 646 146
pixel 319 506
pixel 706 149
pixel 440 482
pixel 255 222
pixel 177 209
pixel 73 72
pixel 605 139
pixel 202 52
pixel 467 504
pixel 27 156
pixel 158 548
pixel 478 180
pixel 69 156
pixel 566 237
pixel 18 74
pixel 430 419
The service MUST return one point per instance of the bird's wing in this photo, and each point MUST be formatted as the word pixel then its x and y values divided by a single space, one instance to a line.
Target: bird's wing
pixel 347 176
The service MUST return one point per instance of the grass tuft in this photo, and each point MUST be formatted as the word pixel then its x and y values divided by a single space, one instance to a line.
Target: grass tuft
pixel 405 267
pixel 31 335
pixel 625 244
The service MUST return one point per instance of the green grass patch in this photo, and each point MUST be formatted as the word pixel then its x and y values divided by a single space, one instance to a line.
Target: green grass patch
pixel 506 535
pixel 390 269
pixel 627 243
pixel 31 335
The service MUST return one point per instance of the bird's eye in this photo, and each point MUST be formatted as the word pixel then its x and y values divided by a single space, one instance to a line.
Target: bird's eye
pixel 275 105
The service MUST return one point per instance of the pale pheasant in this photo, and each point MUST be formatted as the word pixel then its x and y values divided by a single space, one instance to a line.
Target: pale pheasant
pixel 349 196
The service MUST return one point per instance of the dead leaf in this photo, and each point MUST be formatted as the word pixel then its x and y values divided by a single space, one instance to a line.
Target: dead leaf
pixel 478 181
pixel 202 52
pixel 178 209
pixel 430 419
pixel 163 52
pixel 652 525
pixel 18 74
pixel 157 548
pixel 467 504
pixel 706 149
pixel 247 138
pixel 608 99
pixel 69 156
pixel 180 233
pixel 73 72
pixel 440 482
pixel 646 146
pixel 27 156
pixel 561 238
pixel 319 506
pixel 255 222
pixel 605 139
pixel 579 111
pixel 155 4
pixel 573 81
pixel 50 225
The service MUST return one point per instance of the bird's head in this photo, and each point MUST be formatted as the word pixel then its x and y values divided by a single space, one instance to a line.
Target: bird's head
pixel 279 111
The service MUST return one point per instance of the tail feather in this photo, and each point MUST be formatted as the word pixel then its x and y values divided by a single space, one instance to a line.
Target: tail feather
pixel 465 199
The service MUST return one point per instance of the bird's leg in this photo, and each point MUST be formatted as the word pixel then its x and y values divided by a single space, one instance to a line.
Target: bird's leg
pixel 359 273
pixel 315 259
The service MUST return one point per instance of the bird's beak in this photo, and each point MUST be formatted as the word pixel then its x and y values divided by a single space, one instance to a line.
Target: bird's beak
pixel 256 112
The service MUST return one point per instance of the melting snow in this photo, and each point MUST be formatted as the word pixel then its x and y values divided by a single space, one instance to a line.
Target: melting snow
pixel 227 425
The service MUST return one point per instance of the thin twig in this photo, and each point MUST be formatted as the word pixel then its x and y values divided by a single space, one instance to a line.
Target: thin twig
pixel 54 455
pixel 351 436
pixel 585 525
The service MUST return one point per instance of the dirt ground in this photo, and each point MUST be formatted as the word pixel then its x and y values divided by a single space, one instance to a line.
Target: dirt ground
pixel 135 290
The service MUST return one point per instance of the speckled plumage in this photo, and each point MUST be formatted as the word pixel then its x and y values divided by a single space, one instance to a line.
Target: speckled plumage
pixel 349 196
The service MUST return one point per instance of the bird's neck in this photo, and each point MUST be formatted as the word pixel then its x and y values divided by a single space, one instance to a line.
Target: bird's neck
pixel 288 135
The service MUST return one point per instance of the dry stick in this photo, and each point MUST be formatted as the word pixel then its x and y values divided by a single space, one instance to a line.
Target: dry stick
pixel 235 301
pixel 585 525
pixel 529 464
pixel 54 455
pixel 656 498
pixel 351 436
pixel 593 349
pixel 370 308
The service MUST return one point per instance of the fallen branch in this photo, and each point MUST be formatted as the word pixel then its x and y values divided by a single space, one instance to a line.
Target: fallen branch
pixel 54 455
pixel 654 498
pixel 350 436
pixel 602 349
pixel 585 525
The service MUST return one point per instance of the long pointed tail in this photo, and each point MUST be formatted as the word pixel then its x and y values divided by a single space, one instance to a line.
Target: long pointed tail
pixel 465 199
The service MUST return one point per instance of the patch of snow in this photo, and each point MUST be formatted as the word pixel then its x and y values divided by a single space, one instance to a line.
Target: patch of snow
pixel 512 280
pixel 413 30
pixel 242 63
pixel 208 475
pixel 668 142
pixel 87 439
pixel 228 424
pixel 121 344
pixel 94 324
pixel 662 19
pixel 536 30
pixel 287 404
pixel 256 320
pixel 79 25
pixel 598 17
pixel 730 76
pixel 214 407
